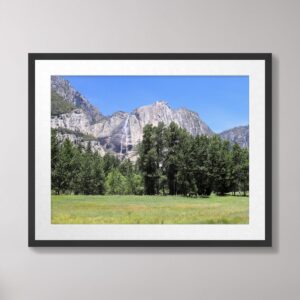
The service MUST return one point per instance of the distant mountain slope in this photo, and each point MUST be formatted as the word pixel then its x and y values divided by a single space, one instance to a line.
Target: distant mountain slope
pixel 239 135
pixel 59 105
pixel 61 87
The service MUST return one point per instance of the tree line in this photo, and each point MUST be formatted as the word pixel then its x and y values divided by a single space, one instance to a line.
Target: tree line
pixel 79 170
pixel 170 161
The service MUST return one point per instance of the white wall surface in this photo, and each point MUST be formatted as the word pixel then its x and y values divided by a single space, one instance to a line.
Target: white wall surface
pixel 149 26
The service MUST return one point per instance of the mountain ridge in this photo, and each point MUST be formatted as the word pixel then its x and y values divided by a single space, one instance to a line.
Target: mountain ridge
pixel 238 134
pixel 120 132
pixel 65 90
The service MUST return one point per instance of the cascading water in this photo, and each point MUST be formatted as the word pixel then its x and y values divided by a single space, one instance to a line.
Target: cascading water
pixel 124 136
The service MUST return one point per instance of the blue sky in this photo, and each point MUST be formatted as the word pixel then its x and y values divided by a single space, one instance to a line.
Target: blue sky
pixel 222 102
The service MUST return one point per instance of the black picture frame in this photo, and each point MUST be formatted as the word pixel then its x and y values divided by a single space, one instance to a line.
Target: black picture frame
pixel 266 57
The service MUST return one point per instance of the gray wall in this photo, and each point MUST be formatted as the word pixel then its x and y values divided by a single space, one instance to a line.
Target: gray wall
pixel 148 26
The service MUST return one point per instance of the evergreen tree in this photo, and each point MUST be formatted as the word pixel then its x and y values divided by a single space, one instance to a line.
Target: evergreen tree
pixel 110 162
pixel 87 180
pixel 90 179
pixel 171 161
pixel 201 165
pixel 76 186
pixel 65 169
pixel 186 183
pixel 99 176
pixel 159 136
pixel 219 165
pixel 126 168
pixel 173 139
pixel 137 185
pixel 236 167
pixel 245 171
pixel 55 153
pixel 148 161
pixel 54 148
pixel 115 183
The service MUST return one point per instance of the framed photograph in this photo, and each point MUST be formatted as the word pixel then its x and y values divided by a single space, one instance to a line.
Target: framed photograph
pixel 150 150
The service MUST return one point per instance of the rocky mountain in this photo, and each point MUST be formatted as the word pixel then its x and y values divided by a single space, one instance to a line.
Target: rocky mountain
pixel 239 135
pixel 63 90
pixel 77 119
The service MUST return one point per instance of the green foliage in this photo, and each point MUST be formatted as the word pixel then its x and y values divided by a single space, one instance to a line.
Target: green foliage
pixel 237 167
pixel 219 165
pixel 124 180
pixel 171 160
pixel 115 183
pixel 201 165
pixel 110 162
pixel 54 149
pixel 136 184
pixel 134 181
pixel 74 170
pixel 149 164
pixel 244 179
pixel 174 143
pixel 65 168
pixel 59 105
pixel 126 168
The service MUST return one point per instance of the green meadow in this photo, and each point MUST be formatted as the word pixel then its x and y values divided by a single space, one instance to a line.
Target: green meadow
pixel 133 209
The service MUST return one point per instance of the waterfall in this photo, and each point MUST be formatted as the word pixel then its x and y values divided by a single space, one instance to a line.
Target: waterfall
pixel 124 135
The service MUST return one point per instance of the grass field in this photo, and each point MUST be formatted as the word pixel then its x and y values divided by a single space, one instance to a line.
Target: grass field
pixel 79 209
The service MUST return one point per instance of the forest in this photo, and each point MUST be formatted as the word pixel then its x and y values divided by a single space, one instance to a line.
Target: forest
pixel 170 162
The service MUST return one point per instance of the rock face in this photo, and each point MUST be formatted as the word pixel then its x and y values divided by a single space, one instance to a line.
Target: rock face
pixel 239 135
pixel 63 88
pixel 82 140
pixel 121 132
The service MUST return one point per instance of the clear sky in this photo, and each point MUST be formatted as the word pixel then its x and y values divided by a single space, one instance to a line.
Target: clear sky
pixel 222 102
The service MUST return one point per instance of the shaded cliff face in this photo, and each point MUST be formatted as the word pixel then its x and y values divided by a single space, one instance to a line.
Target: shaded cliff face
pixel 121 132
pixel 238 135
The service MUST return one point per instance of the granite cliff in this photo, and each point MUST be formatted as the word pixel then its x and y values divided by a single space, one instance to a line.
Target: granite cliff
pixel 77 119
pixel 239 135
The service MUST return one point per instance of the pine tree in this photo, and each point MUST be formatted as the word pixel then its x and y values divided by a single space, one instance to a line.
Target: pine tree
pixel 219 165
pixel 86 177
pixel 236 167
pixel 148 161
pixel 115 183
pixel 126 169
pixel 76 186
pixel 110 162
pixel 137 184
pixel 186 184
pixel 65 169
pixel 99 176
pixel 201 165
pixel 160 146
pixel 55 153
pixel 171 161
pixel 174 138
pixel 245 171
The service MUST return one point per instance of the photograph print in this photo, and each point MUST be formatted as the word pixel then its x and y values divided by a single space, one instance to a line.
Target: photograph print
pixel 150 152
pixel 149 149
